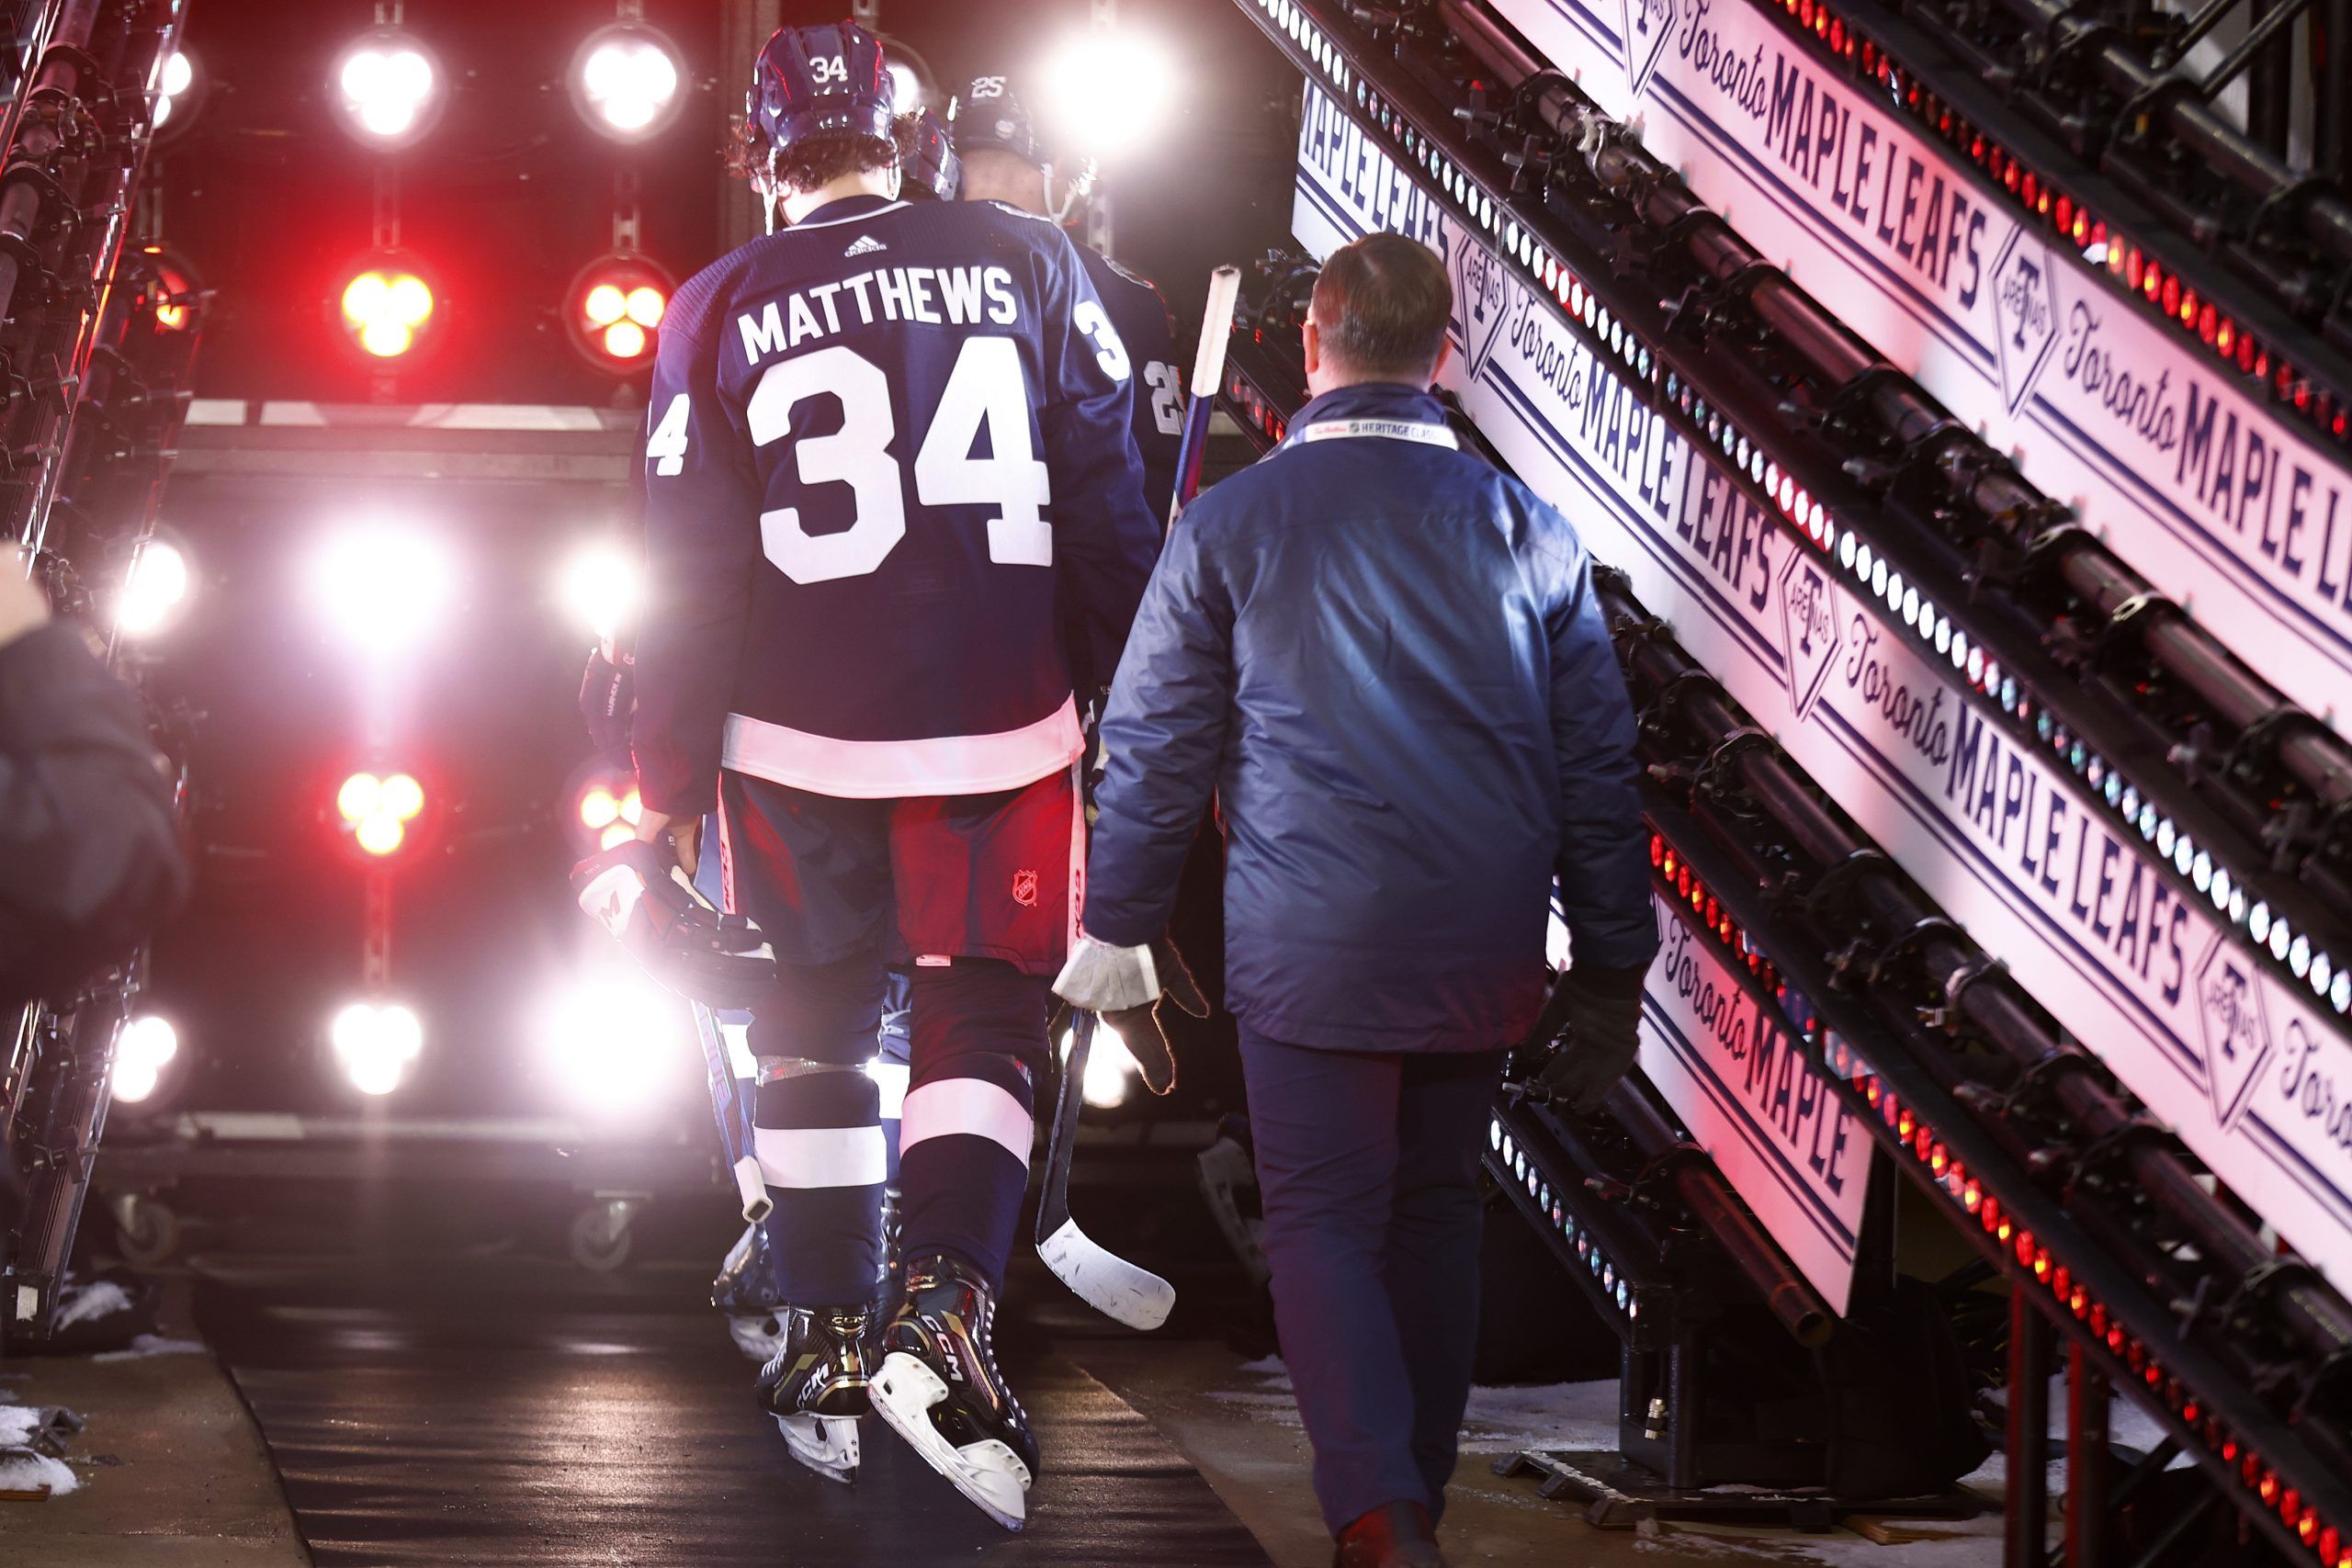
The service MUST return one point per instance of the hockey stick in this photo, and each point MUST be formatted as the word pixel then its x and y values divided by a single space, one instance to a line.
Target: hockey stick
pixel 1102 1279
pixel 733 1116
pixel 1208 372
pixel 1117 1289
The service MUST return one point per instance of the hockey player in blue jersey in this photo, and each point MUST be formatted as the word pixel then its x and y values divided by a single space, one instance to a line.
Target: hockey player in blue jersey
pixel 1004 161
pixel 878 436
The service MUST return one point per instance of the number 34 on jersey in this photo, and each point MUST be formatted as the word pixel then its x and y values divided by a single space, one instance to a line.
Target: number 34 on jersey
pixel 987 391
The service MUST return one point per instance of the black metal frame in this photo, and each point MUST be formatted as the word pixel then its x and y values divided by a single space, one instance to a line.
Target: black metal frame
pixel 95 400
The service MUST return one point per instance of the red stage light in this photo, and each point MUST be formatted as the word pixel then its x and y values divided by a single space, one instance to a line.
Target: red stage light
pixel 386 309
pixel 614 308
pixel 378 810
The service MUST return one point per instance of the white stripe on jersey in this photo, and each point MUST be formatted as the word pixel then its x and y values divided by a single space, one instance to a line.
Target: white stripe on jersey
pixel 887 770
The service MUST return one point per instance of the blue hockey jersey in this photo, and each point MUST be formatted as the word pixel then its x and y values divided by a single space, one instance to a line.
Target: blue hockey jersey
pixel 878 438
pixel 1140 315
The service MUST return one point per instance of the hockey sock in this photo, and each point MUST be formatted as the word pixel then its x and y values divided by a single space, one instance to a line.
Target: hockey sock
pixel 978 1044
pixel 817 1130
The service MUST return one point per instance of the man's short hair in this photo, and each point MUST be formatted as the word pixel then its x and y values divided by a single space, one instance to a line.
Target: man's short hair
pixel 1381 307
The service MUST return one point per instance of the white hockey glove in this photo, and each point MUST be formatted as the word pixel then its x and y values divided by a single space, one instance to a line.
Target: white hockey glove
pixel 636 891
pixel 1124 986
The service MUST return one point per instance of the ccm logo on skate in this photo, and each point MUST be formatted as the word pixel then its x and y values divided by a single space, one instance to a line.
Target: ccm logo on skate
pixel 1025 889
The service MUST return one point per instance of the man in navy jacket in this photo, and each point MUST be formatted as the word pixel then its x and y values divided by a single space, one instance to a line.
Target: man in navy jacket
pixel 1387 660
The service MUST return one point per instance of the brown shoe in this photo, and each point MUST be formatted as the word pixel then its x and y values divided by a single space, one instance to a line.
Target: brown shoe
pixel 1395 1535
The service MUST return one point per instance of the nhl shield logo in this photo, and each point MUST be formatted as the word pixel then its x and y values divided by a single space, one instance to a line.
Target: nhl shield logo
pixel 2025 315
pixel 1025 889
pixel 1808 629
pixel 2236 1028
pixel 1648 24
pixel 1482 297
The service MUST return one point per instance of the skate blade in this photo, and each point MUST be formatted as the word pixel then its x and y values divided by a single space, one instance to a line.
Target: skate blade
pixel 989 1474
pixel 826 1444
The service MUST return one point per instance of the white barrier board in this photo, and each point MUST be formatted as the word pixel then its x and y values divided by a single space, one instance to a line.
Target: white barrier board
pixel 1742 1086
pixel 2255 1076
pixel 2225 506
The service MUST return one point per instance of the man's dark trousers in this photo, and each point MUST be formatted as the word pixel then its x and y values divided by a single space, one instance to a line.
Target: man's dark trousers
pixel 1368 1166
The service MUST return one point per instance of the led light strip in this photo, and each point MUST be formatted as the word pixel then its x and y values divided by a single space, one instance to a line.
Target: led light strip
pixel 2161 293
pixel 1911 613
pixel 1508 1160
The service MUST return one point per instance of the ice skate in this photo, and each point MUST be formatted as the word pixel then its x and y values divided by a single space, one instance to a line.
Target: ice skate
pixel 816 1386
pixel 940 1390
pixel 745 1291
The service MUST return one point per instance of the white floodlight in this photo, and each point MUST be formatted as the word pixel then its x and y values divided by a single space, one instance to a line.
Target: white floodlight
pixel 387 88
pixel 382 586
pixel 155 588
pixel 377 1043
pixel 627 80
pixel 140 1051
pixel 1107 90
pixel 613 1041
pixel 601 586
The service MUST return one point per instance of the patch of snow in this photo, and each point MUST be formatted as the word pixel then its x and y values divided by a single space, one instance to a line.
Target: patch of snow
pixel 21 1470
pixel 17 1423
pixel 1550 1416
pixel 153 1344
pixel 94 1300
pixel 1267 1366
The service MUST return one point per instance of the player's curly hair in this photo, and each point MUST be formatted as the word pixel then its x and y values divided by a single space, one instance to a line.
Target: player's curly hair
pixel 816 160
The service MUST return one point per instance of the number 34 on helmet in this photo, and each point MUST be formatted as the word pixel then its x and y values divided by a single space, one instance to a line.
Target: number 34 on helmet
pixel 819 81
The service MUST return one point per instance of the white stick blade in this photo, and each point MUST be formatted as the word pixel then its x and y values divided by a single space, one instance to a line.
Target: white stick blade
pixel 1105 1282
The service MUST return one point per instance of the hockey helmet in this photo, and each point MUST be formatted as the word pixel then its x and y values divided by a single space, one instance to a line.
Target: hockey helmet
pixel 933 170
pixel 820 81
pixel 987 115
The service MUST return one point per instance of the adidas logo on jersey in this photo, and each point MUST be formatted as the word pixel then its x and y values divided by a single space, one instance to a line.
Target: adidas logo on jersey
pixel 864 245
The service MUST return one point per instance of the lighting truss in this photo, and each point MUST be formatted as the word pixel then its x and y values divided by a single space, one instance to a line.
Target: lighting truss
pixel 99 342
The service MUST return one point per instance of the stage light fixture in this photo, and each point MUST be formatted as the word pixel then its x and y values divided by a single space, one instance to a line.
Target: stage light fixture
pixel 1107 90
pixel 377 811
pixel 613 1043
pixel 1112 1076
pixel 381 587
pixel 627 80
pixel 601 585
pixel 386 87
pixel 386 309
pixel 376 1043
pixel 179 93
pixel 613 309
pixel 154 590
pixel 141 1050
pixel 604 807
pixel 403 796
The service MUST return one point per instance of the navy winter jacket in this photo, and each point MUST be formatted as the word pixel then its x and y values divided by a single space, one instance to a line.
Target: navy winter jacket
pixel 1387 661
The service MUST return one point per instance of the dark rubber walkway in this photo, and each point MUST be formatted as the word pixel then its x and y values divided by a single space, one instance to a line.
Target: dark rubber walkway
pixel 492 1411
